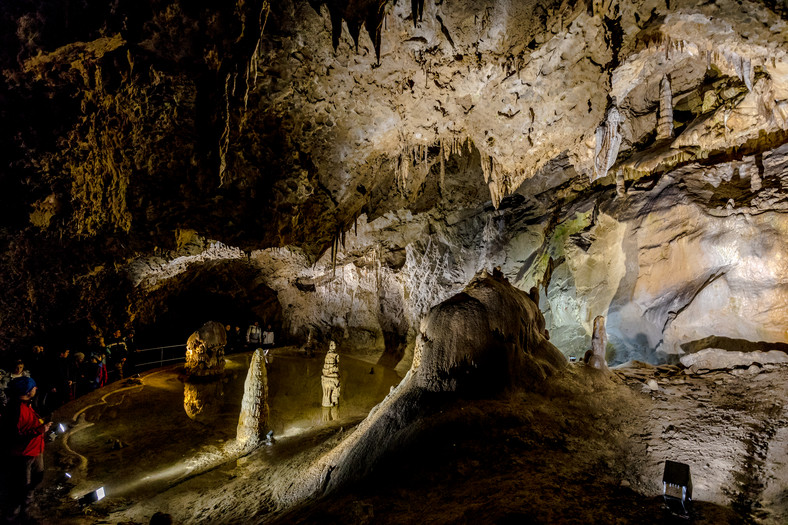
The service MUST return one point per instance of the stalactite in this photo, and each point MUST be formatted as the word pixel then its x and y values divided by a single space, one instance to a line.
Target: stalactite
pixel 369 13
pixel 665 121
pixel 417 10
pixel 443 166
pixel 608 140
pixel 224 140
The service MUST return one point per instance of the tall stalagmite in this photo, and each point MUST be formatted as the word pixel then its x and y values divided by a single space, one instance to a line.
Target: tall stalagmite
pixel 253 421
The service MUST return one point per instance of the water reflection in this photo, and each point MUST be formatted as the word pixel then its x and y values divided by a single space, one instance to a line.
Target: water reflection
pixel 202 400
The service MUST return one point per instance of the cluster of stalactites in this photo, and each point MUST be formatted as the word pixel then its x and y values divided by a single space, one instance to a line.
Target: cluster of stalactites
pixel 418 156
pixel 231 85
pixel 726 59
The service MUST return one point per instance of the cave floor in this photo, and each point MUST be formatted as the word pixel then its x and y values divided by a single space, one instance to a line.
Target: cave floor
pixel 135 438
pixel 587 449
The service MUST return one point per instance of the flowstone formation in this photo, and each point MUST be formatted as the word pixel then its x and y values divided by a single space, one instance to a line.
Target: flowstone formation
pixel 479 343
pixel 253 420
pixel 205 351
pixel 329 379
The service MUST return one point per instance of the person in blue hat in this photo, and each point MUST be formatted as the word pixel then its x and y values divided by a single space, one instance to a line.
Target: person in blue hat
pixel 23 431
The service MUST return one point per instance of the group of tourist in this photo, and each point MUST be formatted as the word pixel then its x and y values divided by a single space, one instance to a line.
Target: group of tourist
pixel 62 376
pixel 254 338
pixel 37 384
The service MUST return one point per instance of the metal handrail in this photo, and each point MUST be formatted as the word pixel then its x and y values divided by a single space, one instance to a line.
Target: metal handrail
pixel 161 360
pixel 160 347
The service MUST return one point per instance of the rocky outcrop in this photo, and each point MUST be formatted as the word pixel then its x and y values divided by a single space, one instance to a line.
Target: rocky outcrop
pixel 477 343
pixel 205 351
pixel 717 359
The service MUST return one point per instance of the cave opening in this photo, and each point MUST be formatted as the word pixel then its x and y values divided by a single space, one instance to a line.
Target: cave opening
pixel 227 292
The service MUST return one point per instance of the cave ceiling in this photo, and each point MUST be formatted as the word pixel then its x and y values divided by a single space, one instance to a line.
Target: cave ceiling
pixel 278 124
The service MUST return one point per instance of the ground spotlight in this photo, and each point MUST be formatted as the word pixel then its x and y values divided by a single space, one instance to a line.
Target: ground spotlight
pixel 677 487
pixel 61 428
pixel 92 497
pixel 67 475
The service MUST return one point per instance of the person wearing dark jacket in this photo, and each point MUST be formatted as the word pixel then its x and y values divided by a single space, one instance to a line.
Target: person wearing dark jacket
pixel 23 439
pixel 61 381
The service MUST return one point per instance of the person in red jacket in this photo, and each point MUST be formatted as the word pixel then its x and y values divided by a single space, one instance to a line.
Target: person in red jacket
pixel 24 432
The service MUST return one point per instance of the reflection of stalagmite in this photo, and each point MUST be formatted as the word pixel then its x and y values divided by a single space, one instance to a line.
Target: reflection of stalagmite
pixel 202 401
pixel 330 414
pixel 253 420
pixel 608 140
pixel 330 378
pixel 595 357
pixel 205 350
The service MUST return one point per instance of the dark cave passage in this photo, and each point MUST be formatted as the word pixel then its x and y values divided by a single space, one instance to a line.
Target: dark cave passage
pixel 226 292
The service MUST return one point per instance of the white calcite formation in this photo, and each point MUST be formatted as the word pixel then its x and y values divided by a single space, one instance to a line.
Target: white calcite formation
pixel 329 379
pixel 717 359
pixel 253 420
pixel 665 121
pixel 205 350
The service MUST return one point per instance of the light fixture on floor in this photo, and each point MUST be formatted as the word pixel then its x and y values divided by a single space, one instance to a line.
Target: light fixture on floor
pixel 677 487
pixel 92 497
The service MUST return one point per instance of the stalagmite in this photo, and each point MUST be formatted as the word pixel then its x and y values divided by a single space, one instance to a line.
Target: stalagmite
pixel 608 140
pixel 205 350
pixel 665 122
pixel 595 357
pixel 253 421
pixel 330 377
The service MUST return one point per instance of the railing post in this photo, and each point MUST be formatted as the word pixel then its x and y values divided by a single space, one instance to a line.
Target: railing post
pixel 161 359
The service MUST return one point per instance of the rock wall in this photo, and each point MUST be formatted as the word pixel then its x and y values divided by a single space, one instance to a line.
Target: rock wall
pixel 624 156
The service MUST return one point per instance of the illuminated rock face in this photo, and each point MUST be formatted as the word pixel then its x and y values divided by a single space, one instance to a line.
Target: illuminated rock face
pixel 483 339
pixel 253 420
pixel 486 133
pixel 205 350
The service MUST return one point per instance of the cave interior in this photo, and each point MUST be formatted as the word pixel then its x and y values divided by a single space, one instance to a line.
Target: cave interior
pixel 546 239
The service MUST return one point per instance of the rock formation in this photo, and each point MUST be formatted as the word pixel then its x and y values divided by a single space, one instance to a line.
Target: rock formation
pixel 480 342
pixel 329 379
pixel 253 420
pixel 596 356
pixel 353 184
pixel 205 350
